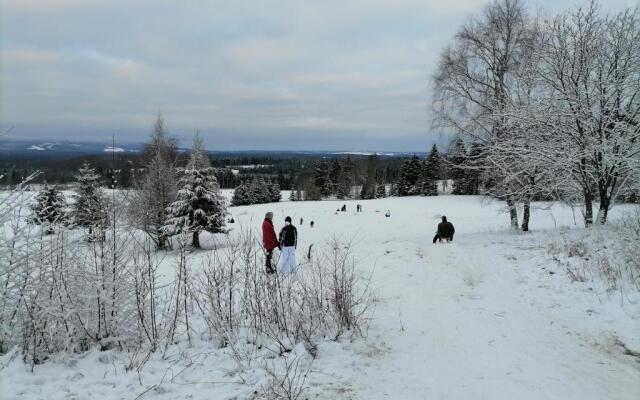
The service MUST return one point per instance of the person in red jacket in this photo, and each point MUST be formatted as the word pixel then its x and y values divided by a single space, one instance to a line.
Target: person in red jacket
pixel 269 240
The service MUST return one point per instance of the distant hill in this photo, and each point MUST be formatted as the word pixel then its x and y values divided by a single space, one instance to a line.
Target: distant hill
pixel 30 149
pixel 17 149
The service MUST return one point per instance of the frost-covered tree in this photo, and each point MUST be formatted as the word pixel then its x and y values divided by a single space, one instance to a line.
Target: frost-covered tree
pixel 157 187
pixel 89 208
pixel 48 208
pixel 591 70
pixel 199 206
pixel 381 191
pixel 476 87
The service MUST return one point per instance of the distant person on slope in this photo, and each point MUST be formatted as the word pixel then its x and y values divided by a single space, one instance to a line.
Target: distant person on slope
pixel 269 240
pixel 288 245
pixel 445 231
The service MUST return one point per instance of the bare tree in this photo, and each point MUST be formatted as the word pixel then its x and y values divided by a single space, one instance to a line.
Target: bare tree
pixel 475 85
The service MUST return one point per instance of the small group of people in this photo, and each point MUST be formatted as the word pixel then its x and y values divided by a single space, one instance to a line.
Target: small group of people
pixel 358 207
pixel 286 242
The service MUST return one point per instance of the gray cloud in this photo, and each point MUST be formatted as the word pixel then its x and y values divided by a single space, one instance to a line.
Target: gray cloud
pixel 261 75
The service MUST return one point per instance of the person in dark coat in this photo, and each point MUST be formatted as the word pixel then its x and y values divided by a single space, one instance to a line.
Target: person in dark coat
pixel 445 231
pixel 269 240
pixel 288 245
pixel 344 207
pixel 311 224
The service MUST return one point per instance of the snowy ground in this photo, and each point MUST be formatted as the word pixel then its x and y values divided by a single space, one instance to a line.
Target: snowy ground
pixel 488 316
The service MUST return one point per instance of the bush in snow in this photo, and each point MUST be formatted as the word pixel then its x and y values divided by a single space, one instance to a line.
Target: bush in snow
pixel 325 300
pixel 199 206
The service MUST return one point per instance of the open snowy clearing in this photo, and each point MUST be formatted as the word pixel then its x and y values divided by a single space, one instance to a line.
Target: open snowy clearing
pixel 488 316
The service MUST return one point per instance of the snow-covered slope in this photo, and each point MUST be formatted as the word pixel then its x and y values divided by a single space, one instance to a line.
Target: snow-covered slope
pixel 487 316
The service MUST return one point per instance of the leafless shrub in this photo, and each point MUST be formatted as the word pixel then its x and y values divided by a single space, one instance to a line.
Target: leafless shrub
pixel 287 381
pixel 630 243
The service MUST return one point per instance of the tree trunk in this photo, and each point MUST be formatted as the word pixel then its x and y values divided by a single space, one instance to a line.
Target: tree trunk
pixel 525 215
pixel 603 211
pixel 196 239
pixel 606 192
pixel 588 208
pixel 513 213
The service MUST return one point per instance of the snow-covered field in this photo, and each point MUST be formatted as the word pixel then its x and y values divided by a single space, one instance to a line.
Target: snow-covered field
pixel 490 315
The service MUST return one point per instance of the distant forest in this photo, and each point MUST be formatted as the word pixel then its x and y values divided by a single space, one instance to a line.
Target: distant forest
pixel 231 170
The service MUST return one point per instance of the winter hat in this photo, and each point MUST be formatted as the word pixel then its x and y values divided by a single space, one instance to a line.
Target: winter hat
pixel 269 215
pixel 288 219
pixel 444 218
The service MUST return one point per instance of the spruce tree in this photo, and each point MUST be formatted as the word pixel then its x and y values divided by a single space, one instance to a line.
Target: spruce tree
pixel 241 195
pixel 474 164
pixel 48 209
pixel 457 159
pixel 274 192
pixel 89 209
pixel 381 191
pixel 431 173
pixel 322 179
pixel 369 187
pixel 410 180
pixel 199 205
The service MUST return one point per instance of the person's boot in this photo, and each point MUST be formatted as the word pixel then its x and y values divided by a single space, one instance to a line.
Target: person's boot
pixel 270 269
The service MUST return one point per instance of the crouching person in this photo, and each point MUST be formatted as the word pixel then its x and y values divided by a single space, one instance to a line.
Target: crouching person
pixel 269 240
pixel 288 245
pixel 445 231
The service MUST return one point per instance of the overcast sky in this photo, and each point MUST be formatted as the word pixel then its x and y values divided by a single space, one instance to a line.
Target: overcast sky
pixel 288 75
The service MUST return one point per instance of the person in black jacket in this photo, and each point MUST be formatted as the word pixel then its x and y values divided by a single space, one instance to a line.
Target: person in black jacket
pixel 288 245
pixel 445 231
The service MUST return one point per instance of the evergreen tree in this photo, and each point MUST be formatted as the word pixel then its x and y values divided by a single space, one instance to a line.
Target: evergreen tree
pixel 48 209
pixel 311 192
pixel 457 159
pixel 199 205
pixel 346 181
pixel 88 209
pixel 474 165
pixel 410 181
pixel 256 191
pixel 381 191
pixel 369 188
pixel 241 195
pixel 322 179
pixel 431 173
pixel 274 192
